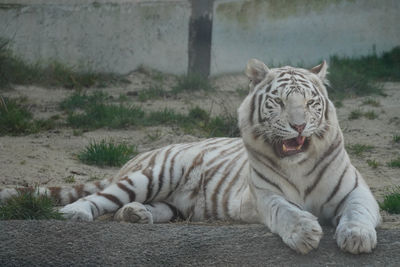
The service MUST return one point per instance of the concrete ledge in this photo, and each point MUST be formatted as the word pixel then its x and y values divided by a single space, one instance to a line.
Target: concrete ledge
pixel 55 243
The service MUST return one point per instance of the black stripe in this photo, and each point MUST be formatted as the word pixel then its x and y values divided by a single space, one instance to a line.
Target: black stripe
pixel 177 214
pixel 252 108
pixel 161 175
pixel 148 174
pixel 336 189
pixel 346 196
pixel 321 174
pixel 112 198
pixel 260 120
pixel 227 171
pixel 327 152
pixel 132 195
pixel 265 179
pixel 228 189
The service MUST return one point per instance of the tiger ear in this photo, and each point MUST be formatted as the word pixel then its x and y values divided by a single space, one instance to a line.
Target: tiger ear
pixel 256 71
pixel 321 70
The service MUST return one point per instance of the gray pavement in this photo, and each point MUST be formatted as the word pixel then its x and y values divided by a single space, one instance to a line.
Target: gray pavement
pixel 63 243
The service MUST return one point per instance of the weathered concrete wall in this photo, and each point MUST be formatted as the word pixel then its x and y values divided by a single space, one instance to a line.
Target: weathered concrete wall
pixel 102 35
pixel 300 31
pixel 212 36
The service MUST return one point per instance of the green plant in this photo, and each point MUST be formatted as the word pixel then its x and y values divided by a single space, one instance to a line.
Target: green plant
pixel 151 93
pixel 356 76
pixel 154 136
pixel 106 115
pixel 13 70
pixel 358 149
pixel 396 138
pixel 192 82
pixel 28 205
pixel 355 114
pixel 107 153
pixel 391 201
pixel 242 92
pixel 371 102
pixel 70 179
pixel 93 178
pixel 338 104
pixel 394 163
pixel 16 119
pixel 373 163
pixel 371 115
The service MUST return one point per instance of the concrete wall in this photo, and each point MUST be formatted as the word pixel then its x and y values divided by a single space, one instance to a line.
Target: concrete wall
pixel 119 35
pixel 111 36
pixel 300 31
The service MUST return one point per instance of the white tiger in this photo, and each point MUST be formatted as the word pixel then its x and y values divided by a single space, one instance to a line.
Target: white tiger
pixel 288 171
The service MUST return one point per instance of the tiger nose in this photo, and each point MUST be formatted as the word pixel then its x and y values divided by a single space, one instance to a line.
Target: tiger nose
pixel 298 127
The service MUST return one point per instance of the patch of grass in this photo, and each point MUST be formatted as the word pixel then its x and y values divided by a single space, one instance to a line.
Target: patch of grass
pixel 373 163
pixel 356 76
pixel 91 112
pixel 151 93
pixel 16 119
pixel 371 115
pixel 93 178
pixel 103 115
pixel 107 153
pixel 70 179
pixel 192 82
pixel 81 100
pixel 154 136
pixel 13 70
pixel 338 104
pixel 355 114
pixel 396 138
pixel 94 113
pixel 359 149
pixel 242 92
pixel 391 201
pixel 371 102
pixel 394 163
pixel 29 206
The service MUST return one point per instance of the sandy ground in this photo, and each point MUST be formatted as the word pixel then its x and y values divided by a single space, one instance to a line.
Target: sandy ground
pixel 48 158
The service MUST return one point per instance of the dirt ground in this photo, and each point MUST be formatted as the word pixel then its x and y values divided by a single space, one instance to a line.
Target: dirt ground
pixel 48 158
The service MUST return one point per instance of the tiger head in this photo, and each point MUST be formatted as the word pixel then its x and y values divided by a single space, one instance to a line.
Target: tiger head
pixel 286 107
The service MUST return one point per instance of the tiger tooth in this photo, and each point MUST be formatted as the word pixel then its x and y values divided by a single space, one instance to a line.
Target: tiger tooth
pixel 284 148
pixel 299 147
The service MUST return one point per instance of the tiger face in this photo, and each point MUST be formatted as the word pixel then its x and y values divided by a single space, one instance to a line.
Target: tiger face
pixel 287 105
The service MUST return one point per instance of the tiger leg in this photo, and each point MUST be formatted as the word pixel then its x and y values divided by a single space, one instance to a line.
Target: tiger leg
pixel 298 229
pixel 159 212
pixel 112 198
pixel 358 216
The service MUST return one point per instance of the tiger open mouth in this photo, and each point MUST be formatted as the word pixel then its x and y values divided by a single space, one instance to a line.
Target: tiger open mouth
pixel 291 146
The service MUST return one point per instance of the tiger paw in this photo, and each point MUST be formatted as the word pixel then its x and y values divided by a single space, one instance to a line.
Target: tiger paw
pixel 134 212
pixel 76 212
pixel 305 234
pixel 356 237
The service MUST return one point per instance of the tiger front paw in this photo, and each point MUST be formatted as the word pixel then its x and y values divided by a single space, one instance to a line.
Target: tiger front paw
pixel 76 212
pixel 134 212
pixel 305 234
pixel 356 237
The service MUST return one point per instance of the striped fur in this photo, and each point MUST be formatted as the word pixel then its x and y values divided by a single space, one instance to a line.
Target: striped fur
pixel 288 171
